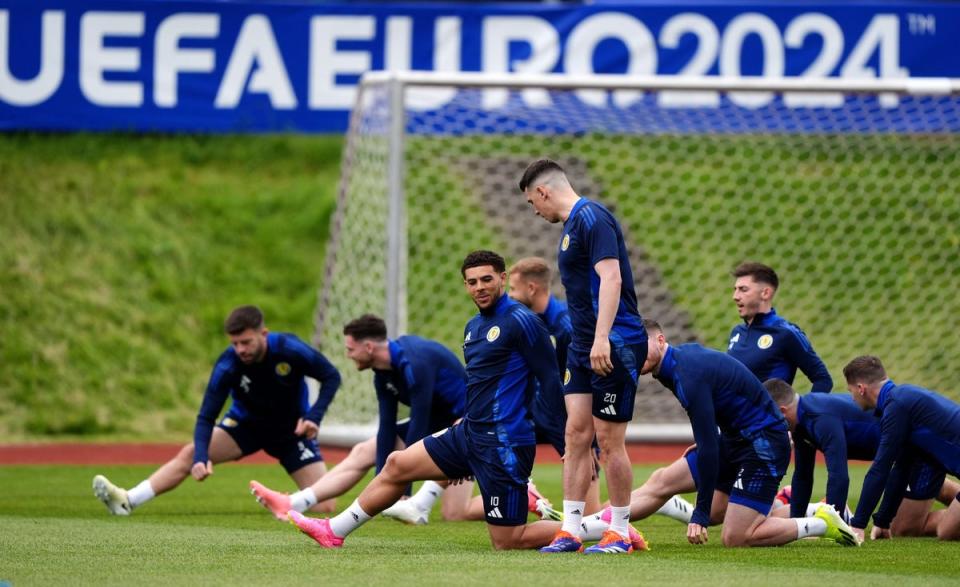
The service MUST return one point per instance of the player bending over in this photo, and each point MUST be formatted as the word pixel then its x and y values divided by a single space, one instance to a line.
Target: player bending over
pixel 263 372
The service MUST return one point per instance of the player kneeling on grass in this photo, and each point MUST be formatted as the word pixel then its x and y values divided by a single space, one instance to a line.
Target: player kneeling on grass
pixel 749 457
pixel 264 372
pixel 408 370
pixel 505 346
pixel 916 425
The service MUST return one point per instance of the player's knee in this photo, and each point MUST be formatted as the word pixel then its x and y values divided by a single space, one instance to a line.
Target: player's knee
pixel 734 540
pixel 396 468
pixel 184 458
pixel 504 543
pixel 905 530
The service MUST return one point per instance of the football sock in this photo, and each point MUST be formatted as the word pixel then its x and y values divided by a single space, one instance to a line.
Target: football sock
pixel 572 516
pixel 810 527
pixel 303 500
pixel 349 520
pixel 141 493
pixel 677 508
pixel 424 499
pixel 620 519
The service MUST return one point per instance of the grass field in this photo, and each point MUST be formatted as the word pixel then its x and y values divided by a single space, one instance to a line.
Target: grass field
pixel 54 532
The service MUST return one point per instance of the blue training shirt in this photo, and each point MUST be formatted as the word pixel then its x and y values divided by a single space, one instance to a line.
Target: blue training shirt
pixel 590 235
pixel 909 415
pixel 507 349
pixel 424 375
pixel 270 394
pixel 550 411
pixel 772 347
pixel 835 425
pixel 716 390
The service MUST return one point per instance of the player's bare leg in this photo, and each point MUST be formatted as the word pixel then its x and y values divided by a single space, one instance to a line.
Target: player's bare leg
pixel 663 484
pixel 532 535
pixel 949 526
pixel 122 501
pixel 223 448
pixel 948 491
pixel 578 463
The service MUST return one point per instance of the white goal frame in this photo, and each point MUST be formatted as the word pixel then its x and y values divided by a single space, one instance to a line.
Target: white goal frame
pixel 399 82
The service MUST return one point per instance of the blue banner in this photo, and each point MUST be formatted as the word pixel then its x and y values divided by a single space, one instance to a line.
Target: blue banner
pixel 266 67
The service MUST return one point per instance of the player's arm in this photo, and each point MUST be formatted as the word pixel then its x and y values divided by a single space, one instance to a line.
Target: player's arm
pixel 800 352
pixel 833 441
pixel 387 430
pixel 704 424
pixel 218 388
pixel 535 348
pixel 893 492
pixel 804 464
pixel 609 300
pixel 894 430
pixel 604 251
pixel 421 381
pixel 317 366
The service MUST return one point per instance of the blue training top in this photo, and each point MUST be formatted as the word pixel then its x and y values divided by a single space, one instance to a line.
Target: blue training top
pixel 909 416
pixel 591 234
pixel 835 425
pixel 270 394
pixel 550 411
pixel 424 375
pixel 771 347
pixel 716 390
pixel 506 348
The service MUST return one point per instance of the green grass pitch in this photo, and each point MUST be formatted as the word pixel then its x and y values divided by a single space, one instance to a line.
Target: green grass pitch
pixel 54 532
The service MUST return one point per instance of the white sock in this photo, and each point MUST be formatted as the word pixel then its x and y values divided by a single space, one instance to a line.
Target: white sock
pixel 303 500
pixel 592 527
pixel 810 527
pixel 812 509
pixel 426 496
pixel 620 519
pixel 572 516
pixel 349 520
pixel 677 508
pixel 142 493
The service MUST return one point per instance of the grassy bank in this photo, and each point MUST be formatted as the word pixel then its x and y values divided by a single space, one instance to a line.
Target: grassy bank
pixel 120 256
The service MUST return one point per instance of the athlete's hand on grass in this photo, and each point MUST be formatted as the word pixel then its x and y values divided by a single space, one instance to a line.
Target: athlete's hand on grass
pixel 880 533
pixel 201 471
pixel 859 533
pixel 696 534
pixel 306 429
pixel 600 360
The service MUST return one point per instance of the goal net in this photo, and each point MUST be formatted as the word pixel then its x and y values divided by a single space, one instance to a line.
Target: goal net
pixel 849 189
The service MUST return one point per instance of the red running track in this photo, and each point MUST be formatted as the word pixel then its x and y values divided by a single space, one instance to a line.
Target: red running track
pixel 155 454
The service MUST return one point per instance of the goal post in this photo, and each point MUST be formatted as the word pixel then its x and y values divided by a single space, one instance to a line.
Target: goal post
pixel 848 188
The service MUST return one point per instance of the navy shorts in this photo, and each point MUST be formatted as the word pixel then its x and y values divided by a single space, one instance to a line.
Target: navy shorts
pixel 751 469
pixel 501 472
pixel 293 452
pixel 925 481
pixel 613 394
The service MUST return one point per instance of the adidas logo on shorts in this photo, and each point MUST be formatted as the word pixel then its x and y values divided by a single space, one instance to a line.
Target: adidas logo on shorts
pixel 495 513
pixel 609 410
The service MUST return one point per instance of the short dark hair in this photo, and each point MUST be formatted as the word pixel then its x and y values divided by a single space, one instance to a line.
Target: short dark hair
pixel 535 170
pixel 759 272
pixel 652 325
pixel 243 318
pixel 366 327
pixel 780 391
pixel 481 258
pixel 864 369
pixel 533 269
